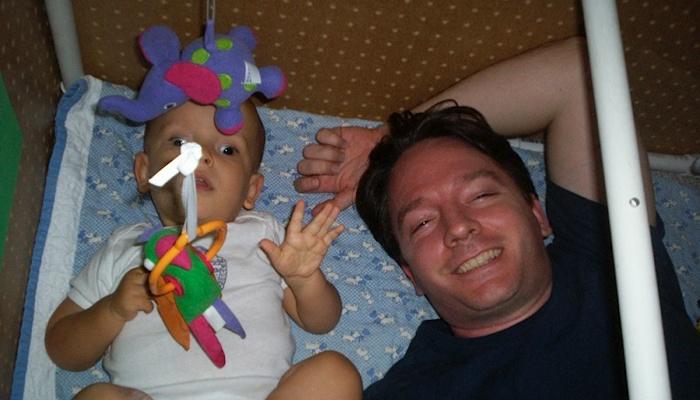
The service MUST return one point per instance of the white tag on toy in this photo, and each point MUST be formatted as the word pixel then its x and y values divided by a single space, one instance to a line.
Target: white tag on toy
pixel 185 164
pixel 252 74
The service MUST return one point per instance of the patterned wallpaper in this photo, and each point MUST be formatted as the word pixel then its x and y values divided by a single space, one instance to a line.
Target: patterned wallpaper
pixel 365 59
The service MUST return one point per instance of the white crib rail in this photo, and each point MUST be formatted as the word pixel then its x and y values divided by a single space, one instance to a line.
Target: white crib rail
pixel 640 314
pixel 65 40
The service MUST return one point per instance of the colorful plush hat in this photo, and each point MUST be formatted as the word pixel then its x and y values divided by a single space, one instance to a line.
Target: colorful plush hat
pixel 215 69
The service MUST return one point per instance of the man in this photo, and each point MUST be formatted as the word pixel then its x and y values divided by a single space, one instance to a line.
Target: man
pixel 448 201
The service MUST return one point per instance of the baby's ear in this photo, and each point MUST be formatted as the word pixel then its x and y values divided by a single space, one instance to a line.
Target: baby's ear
pixel 141 172
pixel 255 186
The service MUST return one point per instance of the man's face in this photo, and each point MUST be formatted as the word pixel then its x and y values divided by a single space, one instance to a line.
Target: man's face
pixel 471 242
pixel 226 177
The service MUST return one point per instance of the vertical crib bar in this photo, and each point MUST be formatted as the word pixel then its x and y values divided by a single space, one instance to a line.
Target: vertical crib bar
pixel 65 40
pixel 645 353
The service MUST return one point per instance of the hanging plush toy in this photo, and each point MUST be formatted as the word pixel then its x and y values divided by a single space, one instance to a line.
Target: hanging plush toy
pixel 216 69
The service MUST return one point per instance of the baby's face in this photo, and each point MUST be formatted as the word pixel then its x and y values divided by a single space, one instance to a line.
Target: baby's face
pixel 226 177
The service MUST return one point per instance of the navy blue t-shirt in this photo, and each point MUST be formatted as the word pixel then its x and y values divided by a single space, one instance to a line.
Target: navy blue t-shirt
pixel 569 349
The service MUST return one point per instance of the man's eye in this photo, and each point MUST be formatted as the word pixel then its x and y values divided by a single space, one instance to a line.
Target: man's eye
pixel 178 142
pixel 228 150
pixel 483 195
pixel 419 225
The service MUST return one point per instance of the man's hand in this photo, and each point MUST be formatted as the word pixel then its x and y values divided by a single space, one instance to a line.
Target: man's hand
pixel 336 163
pixel 131 295
pixel 303 249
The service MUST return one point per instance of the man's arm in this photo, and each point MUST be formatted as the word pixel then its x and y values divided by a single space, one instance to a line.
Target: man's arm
pixel 541 90
pixel 545 89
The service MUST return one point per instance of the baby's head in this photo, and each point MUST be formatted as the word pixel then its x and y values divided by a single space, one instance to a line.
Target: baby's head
pixel 227 176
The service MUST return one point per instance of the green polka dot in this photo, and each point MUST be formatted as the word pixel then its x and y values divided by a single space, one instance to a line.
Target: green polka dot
pixel 226 81
pixel 200 56
pixel 222 103
pixel 249 87
pixel 224 44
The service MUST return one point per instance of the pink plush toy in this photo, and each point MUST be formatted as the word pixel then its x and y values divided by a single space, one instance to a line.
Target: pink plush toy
pixel 216 69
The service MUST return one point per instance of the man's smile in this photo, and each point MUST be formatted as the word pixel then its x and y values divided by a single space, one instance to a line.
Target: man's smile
pixel 479 260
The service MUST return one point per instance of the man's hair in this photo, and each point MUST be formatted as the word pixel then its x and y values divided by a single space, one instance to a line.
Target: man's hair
pixel 406 130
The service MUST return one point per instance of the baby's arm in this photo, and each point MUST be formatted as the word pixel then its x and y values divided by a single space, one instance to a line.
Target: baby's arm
pixel 76 339
pixel 310 300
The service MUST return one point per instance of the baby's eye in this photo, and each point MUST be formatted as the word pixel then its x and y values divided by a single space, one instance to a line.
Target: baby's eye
pixel 228 150
pixel 178 142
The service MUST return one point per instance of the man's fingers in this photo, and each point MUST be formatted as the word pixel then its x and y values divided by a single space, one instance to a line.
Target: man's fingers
pixel 316 184
pixel 344 199
pixel 331 136
pixel 317 167
pixel 323 152
pixel 319 207
pixel 307 184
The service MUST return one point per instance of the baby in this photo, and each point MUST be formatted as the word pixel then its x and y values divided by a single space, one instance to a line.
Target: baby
pixel 264 274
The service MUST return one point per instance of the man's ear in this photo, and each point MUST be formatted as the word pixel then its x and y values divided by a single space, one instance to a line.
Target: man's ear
pixel 409 274
pixel 541 217
pixel 255 185
pixel 141 172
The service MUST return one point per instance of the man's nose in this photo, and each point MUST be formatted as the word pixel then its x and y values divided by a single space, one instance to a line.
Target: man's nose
pixel 460 228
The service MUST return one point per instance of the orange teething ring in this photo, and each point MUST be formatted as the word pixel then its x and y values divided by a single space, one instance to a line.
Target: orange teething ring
pixel 156 284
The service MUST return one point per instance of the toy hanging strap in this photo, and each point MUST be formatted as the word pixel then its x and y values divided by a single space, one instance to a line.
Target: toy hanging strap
pixel 209 42
pixel 185 163
pixel 211 10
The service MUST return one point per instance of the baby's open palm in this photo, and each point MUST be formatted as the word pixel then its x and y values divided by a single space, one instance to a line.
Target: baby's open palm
pixel 304 247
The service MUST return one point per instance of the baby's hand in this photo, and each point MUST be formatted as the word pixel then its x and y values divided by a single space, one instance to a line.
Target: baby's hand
pixel 131 295
pixel 303 249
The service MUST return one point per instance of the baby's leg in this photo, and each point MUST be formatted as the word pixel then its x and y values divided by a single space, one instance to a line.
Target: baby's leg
pixel 108 391
pixel 325 376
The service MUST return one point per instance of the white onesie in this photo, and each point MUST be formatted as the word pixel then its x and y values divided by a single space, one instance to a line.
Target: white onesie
pixel 144 355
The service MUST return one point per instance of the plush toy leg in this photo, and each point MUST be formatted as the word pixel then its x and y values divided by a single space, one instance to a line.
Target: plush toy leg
pixel 274 83
pixel 232 322
pixel 219 315
pixel 228 120
pixel 202 331
pixel 244 34
pixel 173 320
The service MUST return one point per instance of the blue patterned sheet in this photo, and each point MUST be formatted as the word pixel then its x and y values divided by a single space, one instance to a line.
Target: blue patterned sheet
pixel 91 190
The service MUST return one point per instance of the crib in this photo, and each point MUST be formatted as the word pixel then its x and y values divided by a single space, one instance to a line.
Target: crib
pixel 348 62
